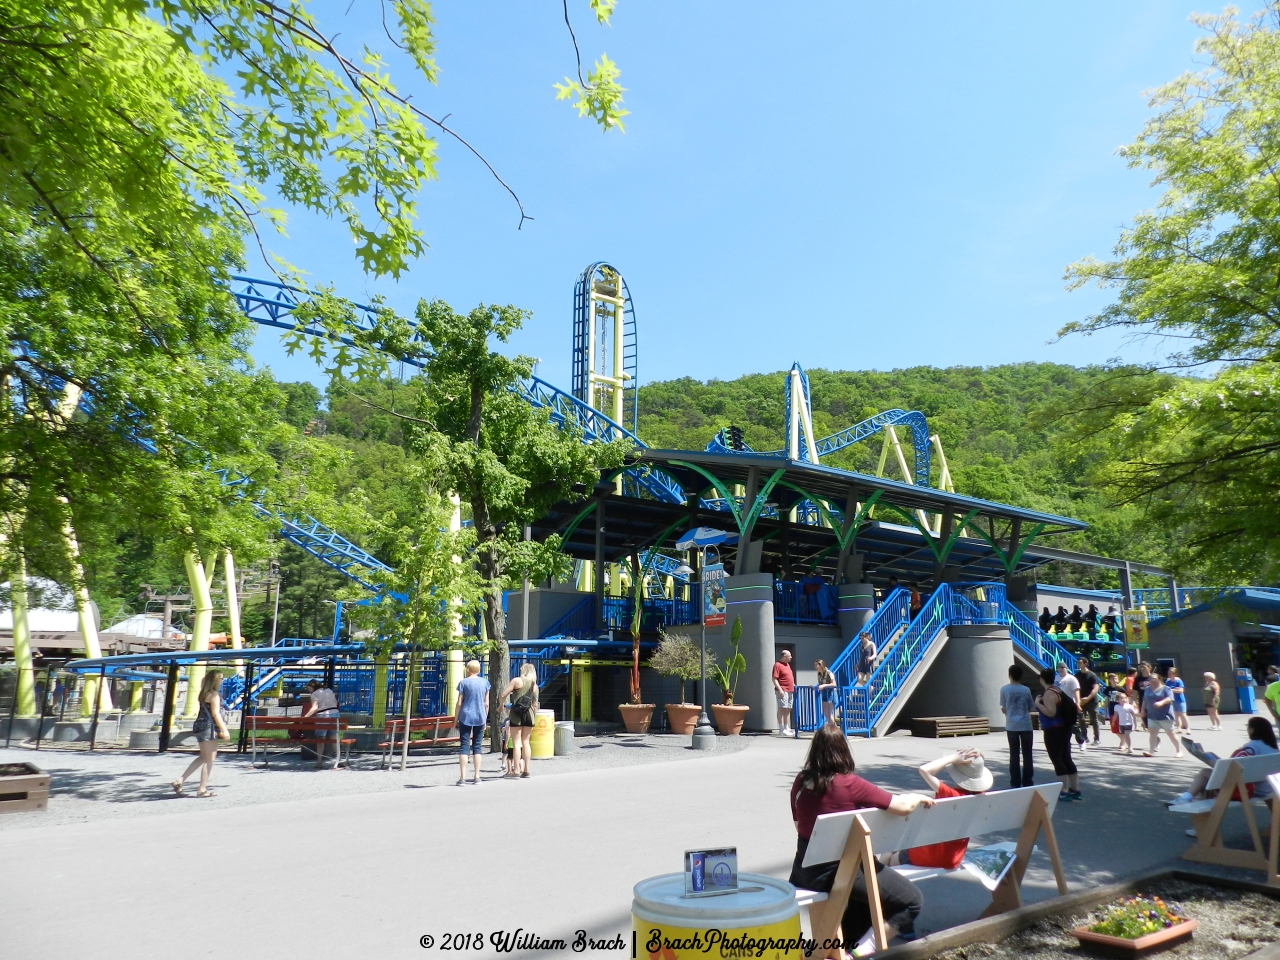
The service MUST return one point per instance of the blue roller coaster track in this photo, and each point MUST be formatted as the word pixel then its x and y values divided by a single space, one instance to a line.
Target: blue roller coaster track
pixel 913 419
pixel 275 304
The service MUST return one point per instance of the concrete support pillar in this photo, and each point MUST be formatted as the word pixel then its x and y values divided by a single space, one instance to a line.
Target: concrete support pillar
pixel 966 677
pixel 856 605
pixel 750 597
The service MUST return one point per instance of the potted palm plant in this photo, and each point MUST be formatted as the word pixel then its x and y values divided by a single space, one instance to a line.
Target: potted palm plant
pixel 636 716
pixel 678 656
pixel 729 715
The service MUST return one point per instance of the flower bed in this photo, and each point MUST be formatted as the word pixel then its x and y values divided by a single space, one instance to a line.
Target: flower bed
pixel 1234 919
pixel 1136 925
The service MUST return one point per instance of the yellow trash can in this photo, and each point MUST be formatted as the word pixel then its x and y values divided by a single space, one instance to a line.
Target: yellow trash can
pixel 542 742
pixel 760 919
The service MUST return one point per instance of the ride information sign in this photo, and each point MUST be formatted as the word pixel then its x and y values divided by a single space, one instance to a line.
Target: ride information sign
pixel 714 607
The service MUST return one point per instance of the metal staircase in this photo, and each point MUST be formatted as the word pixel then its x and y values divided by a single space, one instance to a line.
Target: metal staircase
pixel 906 646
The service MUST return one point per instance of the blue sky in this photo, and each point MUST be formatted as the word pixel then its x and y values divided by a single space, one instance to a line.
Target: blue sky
pixel 849 185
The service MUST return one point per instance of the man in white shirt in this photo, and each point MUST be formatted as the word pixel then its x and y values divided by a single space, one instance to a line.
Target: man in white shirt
pixel 1069 685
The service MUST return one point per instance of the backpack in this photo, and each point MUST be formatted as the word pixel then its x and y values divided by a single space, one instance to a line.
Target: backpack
pixel 1067 708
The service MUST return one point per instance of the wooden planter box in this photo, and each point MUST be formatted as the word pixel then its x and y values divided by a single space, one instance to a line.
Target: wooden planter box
pixel 1120 947
pixel 949 726
pixel 1002 926
pixel 23 786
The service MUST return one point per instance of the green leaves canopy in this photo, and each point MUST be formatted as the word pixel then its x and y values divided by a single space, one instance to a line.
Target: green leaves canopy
pixel 1203 267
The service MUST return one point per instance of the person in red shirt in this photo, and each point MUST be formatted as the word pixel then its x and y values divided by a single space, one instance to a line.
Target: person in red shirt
pixel 827 784
pixel 970 775
pixel 784 685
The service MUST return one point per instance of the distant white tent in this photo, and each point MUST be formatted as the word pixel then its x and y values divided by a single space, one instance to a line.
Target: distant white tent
pixel 50 608
pixel 51 615
pixel 144 626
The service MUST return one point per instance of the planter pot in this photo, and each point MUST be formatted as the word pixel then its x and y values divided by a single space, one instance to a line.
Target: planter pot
pixel 1120 947
pixel 23 786
pixel 636 716
pixel 730 717
pixel 683 717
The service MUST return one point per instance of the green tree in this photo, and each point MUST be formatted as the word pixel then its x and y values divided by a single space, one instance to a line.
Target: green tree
pixel 504 458
pixel 434 590
pixel 1201 456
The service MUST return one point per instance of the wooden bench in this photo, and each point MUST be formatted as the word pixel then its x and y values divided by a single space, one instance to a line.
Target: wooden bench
pixel 854 838
pixel 309 729
pixel 1229 777
pixel 949 726
pixel 432 725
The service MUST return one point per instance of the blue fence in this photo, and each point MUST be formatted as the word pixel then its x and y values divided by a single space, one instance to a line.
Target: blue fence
pixel 354 685
pixel 864 705
pixel 793 605
pixel 807 714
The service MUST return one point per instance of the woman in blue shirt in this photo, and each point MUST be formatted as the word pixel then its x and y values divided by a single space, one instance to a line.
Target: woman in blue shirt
pixel 1174 683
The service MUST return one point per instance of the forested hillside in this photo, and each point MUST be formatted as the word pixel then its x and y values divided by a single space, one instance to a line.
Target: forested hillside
pixel 1000 427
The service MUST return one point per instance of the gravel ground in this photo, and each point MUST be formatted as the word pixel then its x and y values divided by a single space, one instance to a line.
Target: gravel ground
pixel 111 784
pixel 1233 924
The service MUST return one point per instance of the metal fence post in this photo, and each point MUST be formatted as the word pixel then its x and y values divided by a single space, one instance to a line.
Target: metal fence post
pixel 44 700
pixel 97 702
pixel 246 706
pixel 13 706
pixel 170 694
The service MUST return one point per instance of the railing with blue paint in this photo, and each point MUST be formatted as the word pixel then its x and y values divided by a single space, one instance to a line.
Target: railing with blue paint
pixel 656 611
pixel 793 605
pixel 865 704
pixel 807 714
pixel 1033 641
pixel 893 614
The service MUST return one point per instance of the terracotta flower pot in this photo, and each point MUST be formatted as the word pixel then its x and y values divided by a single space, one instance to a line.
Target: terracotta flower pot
pixel 730 717
pixel 683 717
pixel 636 716
pixel 1119 946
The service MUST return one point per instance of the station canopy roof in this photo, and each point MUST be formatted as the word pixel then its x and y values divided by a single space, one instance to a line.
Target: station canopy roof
pixel 891 532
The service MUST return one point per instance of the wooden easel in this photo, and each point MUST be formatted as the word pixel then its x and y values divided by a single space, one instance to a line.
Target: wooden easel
pixel 999 811
pixel 857 853
pixel 1209 847
pixel 1008 894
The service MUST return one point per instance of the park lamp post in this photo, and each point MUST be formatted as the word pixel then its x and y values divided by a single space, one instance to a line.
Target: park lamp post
pixel 704 735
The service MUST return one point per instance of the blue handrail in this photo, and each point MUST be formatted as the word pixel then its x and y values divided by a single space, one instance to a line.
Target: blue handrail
pixel 863 705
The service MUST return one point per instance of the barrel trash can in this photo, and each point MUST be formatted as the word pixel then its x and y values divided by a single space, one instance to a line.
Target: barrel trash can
pixel 542 742
pixel 762 912
pixel 564 738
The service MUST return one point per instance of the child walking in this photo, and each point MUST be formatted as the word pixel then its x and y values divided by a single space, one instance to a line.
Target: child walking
pixel 1125 714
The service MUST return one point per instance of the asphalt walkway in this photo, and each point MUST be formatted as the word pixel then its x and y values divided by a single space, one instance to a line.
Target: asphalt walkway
pixel 358 874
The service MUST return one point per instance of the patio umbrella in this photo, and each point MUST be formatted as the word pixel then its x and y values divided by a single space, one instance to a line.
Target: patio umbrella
pixel 700 537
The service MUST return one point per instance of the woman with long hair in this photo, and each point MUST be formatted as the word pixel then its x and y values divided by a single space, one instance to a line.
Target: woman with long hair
pixel 826 690
pixel 209 729
pixel 523 691
pixel 827 784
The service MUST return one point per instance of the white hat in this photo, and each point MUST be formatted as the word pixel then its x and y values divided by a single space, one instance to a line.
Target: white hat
pixel 971 775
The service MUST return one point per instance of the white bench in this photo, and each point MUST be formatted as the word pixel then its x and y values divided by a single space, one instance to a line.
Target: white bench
pixel 1229 777
pixel 855 837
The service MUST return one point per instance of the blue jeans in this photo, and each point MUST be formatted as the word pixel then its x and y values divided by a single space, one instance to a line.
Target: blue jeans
pixel 470 738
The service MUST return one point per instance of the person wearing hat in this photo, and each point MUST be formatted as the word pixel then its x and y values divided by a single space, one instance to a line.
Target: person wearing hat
pixel 967 770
